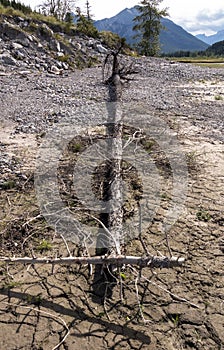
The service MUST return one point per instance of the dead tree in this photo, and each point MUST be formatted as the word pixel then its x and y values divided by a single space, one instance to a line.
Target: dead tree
pixel 110 239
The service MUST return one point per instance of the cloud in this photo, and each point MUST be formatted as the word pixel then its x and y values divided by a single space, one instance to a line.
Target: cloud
pixel 206 21
pixel 208 16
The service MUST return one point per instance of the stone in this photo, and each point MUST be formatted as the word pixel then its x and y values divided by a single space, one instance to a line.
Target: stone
pixel 65 65
pixel 58 46
pixel 101 49
pixel 55 70
pixel 16 46
pixel 19 55
pixel 24 41
pixel 8 60
pixel 12 32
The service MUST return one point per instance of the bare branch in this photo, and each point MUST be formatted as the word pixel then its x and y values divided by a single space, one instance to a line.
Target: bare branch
pixel 119 260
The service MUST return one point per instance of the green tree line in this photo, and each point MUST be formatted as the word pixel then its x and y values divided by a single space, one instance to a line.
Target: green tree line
pixel 16 5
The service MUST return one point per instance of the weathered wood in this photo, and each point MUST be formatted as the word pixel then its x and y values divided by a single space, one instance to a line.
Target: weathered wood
pixel 113 194
pixel 118 260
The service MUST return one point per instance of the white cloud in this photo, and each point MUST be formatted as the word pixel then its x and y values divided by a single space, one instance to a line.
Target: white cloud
pixel 206 21
pixel 197 16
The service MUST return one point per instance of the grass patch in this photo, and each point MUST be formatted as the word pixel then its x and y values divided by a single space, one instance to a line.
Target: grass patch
pixel 203 215
pixel 44 246
pixel 7 185
pixel 216 62
pixel 218 98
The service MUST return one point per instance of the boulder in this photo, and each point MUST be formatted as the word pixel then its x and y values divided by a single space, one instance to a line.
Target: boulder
pixel 16 46
pixel 101 49
pixel 7 59
pixel 12 32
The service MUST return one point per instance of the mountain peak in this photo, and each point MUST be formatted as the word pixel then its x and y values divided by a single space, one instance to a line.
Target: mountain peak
pixel 172 38
pixel 212 39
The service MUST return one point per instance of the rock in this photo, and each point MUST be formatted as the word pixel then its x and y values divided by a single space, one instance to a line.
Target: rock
pixel 12 32
pixel 101 49
pixel 58 46
pixel 19 55
pixel 65 65
pixel 60 54
pixel 24 41
pixel 31 38
pixel 91 43
pixel 55 70
pixel 8 60
pixel 16 46
pixel 78 46
pixel 44 31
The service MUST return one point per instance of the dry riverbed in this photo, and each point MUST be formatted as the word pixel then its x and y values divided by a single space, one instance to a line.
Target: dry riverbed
pixel 62 308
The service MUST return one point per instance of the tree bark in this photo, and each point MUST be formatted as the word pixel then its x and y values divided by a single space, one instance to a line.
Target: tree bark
pixel 113 194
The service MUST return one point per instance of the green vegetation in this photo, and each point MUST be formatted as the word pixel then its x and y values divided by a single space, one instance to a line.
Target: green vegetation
pixel 123 276
pixel 34 299
pixel 218 98
pixel 65 24
pixel 110 39
pixel 12 284
pixel 7 185
pixel 212 56
pixel 26 12
pixel 44 246
pixel 16 5
pixel 210 62
pixel 86 26
pixel 216 49
pixel 148 26
pixel 175 319
pixel 203 215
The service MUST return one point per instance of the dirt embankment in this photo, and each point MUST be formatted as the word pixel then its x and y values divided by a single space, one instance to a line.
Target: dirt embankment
pixel 42 307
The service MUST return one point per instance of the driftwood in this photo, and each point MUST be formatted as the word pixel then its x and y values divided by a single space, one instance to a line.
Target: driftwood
pixel 118 260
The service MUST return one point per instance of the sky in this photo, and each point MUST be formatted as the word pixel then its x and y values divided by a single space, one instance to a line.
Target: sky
pixel 195 16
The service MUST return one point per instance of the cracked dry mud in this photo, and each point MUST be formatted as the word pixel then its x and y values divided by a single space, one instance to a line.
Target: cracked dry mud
pixel 184 307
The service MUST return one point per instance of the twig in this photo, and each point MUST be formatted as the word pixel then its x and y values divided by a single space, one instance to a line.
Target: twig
pixel 172 294
pixel 165 290
pixel 139 303
pixel 107 231
pixel 8 273
pixel 26 239
pixel 66 244
pixel 32 219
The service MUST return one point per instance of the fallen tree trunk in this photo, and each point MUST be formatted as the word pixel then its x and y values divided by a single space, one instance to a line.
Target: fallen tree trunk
pixel 119 260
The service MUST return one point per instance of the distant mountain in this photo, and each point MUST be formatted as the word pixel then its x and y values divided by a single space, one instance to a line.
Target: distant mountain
pixel 216 49
pixel 172 38
pixel 211 39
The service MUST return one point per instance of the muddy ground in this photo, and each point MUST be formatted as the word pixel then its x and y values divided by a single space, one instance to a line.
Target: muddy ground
pixel 67 307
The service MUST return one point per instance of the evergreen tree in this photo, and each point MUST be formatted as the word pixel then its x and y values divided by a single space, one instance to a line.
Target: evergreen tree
pixel 148 26
pixel 17 5
pixel 88 16
pixel 85 25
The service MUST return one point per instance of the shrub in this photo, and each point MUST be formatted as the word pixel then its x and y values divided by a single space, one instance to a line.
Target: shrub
pixel 111 40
